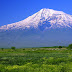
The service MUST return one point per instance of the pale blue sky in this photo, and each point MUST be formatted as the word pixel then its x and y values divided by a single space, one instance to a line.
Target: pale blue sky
pixel 16 10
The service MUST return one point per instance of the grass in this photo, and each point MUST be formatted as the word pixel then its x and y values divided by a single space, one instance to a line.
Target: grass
pixel 36 60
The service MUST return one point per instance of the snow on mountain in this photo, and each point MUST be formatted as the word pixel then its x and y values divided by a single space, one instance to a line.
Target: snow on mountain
pixel 49 17
pixel 47 27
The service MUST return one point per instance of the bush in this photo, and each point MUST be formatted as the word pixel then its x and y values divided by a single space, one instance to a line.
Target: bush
pixel 60 47
pixel 13 48
pixel 70 46
pixel 2 48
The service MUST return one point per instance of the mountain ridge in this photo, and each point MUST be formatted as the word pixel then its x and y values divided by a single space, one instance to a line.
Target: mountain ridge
pixel 53 18
pixel 45 28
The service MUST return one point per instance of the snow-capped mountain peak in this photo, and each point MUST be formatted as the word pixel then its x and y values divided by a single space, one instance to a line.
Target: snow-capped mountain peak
pixel 49 17
pixel 47 27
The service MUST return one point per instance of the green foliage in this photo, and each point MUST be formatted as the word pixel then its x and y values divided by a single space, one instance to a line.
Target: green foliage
pixel 35 60
pixel 13 48
pixel 70 46
pixel 2 48
pixel 50 47
pixel 60 47
pixel 23 49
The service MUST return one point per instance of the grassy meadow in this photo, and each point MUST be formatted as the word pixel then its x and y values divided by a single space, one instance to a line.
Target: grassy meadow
pixel 36 60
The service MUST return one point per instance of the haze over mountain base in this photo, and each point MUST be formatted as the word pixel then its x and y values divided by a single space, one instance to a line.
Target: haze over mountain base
pixel 36 38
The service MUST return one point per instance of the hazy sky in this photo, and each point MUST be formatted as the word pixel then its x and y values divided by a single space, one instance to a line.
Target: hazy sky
pixel 15 10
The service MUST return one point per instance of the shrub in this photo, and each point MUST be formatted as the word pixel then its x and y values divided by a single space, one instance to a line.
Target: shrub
pixel 23 49
pixel 13 48
pixel 60 47
pixel 2 48
pixel 70 46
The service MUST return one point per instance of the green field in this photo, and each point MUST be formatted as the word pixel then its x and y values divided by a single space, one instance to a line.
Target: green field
pixel 36 60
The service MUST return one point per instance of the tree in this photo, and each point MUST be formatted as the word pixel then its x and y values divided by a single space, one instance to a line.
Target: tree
pixel 2 48
pixel 60 47
pixel 13 48
pixel 70 46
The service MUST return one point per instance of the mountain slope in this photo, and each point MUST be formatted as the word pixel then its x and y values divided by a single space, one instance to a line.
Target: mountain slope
pixel 53 19
pixel 45 28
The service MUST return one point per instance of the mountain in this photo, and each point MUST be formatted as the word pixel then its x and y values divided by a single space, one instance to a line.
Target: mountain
pixel 47 27
pixel 53 19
